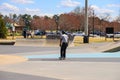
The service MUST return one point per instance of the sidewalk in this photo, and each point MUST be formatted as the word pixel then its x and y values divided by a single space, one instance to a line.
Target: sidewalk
pixel 55 69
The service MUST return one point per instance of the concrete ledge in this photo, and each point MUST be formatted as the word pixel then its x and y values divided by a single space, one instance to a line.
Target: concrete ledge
pixel 113 50
pixel 7 43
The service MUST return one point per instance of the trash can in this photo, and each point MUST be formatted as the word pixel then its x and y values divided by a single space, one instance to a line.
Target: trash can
pixel 86 39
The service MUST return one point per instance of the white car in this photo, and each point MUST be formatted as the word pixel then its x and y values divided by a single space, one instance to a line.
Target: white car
pixel 109 35
pixel 78 34
pixel 117 35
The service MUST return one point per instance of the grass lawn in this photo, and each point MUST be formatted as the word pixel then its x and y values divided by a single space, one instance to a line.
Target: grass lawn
pixel 79 40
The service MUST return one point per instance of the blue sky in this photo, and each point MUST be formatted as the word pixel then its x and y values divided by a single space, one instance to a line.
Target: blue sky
pixel 51 7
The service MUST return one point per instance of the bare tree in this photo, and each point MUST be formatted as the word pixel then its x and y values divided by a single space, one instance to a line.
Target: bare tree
pixel 118 17
pixel 105 17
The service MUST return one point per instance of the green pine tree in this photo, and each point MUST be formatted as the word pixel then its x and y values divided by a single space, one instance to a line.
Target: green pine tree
pixel 3 29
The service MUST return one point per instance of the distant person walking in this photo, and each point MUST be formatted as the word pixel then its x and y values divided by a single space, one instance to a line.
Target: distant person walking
pixel 24 33
pixel 63 44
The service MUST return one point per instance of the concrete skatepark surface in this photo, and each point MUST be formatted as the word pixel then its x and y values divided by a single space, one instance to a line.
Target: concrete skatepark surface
pixel 73 68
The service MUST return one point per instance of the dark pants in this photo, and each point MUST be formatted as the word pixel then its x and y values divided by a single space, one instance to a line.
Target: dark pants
pixel 63 50
pixel 24 34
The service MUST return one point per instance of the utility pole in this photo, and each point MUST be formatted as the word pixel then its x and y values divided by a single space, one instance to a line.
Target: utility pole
pixel 86 37
pixel 56 17
pixel 93 23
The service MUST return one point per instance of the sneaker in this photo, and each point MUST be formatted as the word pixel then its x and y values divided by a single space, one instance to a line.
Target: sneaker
pixel 61 58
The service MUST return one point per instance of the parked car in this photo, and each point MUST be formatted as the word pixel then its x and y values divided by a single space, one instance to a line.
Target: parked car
pixel 39 32
pixel 70 35
pixel 78 34
pixel 117 35
pixel 53 35
pixel 93 35
pixel 97 33
pixel 109 35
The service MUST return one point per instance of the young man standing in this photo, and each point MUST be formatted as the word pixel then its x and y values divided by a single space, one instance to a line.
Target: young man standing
pixel 63 44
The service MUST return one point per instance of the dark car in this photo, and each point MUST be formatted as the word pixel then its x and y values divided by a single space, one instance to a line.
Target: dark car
pixel 53 35
pixel 39 32
pixel 57 35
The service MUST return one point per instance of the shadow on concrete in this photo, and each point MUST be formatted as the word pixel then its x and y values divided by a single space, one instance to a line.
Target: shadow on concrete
pixel 17 76
pixel 116 49
pixel 79 59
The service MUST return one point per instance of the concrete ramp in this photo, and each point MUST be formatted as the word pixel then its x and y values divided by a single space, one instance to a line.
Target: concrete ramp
pixel 100 47
pixel 110 47
pixel 36 42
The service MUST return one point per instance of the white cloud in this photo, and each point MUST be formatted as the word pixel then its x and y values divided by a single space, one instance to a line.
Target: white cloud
pixel 114 5
pixel 23 1
pixel 31 10
pixel 8 7
pixel 69 3
pixel 35 11
pixel 46 14
pixel 101 10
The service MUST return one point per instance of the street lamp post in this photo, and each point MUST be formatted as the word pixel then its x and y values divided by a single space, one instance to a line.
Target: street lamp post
pixel 93 23
pixel 56 17
pixel 101 26
pixel 86 37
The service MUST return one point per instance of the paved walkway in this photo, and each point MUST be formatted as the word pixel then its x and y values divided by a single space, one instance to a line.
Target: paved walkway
pixel 82 63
